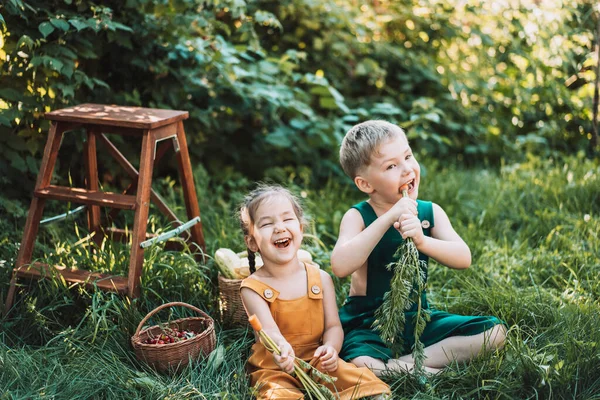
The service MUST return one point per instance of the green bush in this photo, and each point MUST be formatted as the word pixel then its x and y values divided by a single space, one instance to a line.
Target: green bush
pixel 275 84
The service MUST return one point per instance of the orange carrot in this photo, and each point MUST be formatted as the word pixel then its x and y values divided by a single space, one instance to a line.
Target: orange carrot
pixel 313 389
pixel 404 190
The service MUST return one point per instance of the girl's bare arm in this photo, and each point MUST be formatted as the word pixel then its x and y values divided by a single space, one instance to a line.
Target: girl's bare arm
pixel 333 334
pixel 254 304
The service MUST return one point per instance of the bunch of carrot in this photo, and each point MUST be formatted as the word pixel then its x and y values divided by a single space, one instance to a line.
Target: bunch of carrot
pixel 313 389
pixel 406 287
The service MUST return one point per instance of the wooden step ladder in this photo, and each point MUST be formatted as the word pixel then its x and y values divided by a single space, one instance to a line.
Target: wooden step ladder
pixel 160 130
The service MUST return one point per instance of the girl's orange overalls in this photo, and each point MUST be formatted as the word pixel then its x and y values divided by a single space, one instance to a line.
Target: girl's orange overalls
pixel 301 321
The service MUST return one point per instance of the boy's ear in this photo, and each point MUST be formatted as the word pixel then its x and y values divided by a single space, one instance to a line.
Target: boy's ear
pixel 363 185
pixel 250 243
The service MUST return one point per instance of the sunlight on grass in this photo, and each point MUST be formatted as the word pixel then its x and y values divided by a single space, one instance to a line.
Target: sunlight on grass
pixel 532 227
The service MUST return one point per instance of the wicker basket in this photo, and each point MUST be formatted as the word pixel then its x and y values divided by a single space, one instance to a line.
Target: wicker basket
pixel 171 356
pixel 232 309
pixel 233 313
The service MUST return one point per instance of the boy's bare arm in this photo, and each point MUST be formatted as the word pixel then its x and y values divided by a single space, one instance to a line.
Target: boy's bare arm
pixel 355 243
pixel 445 245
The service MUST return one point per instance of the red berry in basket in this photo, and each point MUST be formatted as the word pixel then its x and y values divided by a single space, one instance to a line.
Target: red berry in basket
pixel 161 342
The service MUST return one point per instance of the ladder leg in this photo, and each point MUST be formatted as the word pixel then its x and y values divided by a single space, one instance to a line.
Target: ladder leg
pixel 36 208
pixel 10 297
pixel 37 205
pixel 50 154
pixel 91 177
pixel 189 190
pixel 30 232
pixel 140 221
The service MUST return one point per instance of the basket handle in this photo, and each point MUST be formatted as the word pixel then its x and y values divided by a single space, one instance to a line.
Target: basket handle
pixel 166 305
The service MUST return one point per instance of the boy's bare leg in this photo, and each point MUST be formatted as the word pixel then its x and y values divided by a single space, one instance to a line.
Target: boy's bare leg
pixel 461 348
pixel 379 367
pixel 406 366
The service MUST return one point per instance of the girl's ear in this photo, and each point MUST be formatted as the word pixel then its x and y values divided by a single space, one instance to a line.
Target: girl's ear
pixel 250 243
pixel 363 185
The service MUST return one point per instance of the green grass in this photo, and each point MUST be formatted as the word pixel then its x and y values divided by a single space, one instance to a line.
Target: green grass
pixel 533 229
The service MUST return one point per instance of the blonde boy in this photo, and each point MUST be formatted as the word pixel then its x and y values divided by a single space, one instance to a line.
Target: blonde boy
pixel 376 155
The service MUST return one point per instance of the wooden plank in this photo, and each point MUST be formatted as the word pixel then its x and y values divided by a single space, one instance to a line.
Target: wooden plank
pixel 140 219
pixel 133 173
pixel 120 116
pixel 106 282
pixel 116 130
pixel 164 132
pixel 91 177
pixel 37 205
pixel 50 154
pixel 189 190
pixel 84 196
pixel 10 297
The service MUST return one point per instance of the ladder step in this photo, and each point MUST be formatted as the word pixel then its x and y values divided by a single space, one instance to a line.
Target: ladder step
pixel 113 283
pixel 84 196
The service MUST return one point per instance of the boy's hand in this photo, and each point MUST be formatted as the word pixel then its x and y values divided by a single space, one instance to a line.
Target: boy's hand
pixel 285 361
pixel 405 205
pixel 328 357
pixel 409 226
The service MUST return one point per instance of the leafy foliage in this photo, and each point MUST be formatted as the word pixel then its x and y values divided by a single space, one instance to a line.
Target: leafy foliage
pixel 287 79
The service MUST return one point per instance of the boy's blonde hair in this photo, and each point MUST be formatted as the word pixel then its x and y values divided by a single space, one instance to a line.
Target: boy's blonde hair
pixel 362 141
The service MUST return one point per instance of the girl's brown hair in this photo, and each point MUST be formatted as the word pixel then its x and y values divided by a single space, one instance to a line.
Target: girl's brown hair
pixel 251 203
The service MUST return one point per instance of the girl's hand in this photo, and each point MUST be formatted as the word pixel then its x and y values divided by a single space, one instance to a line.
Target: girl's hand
pixel 285 361
pixel 328 357
pixel 409 226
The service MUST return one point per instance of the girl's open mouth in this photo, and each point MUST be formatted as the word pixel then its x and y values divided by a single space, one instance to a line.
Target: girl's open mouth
pixel 283 243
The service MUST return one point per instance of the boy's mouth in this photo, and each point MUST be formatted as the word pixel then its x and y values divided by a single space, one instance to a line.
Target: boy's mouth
pixel 282 243
pixel 410 184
